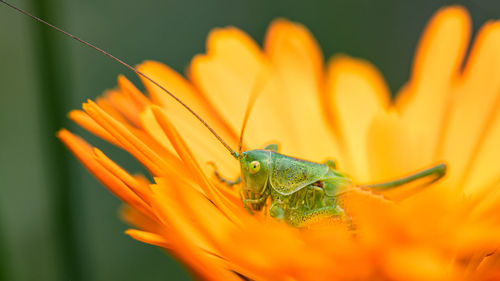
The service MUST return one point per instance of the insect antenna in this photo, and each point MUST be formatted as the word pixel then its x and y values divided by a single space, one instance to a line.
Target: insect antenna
pixel 233 153
pixel 254 94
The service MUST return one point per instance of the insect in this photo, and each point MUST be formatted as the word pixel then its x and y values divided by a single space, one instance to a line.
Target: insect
pixel 298 191
pixel 302 191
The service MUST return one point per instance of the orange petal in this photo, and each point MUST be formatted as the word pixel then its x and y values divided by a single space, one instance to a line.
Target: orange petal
pixel 172 211
pixel 104 103
pixel 486 201
pixel 227 72
pixel 298 63
pixel 200 217
pixel 475 106
pixel 223 203
pixel 391 147
pixel 484 167
pixel 135 218
pixel 125 107
pixel 207 267
pixel 476 237
pixel 132 143
pixel 356 93
pixel 417 264
pixel 82 119
pixel 203 144
pixel 374 227
pixel 148 237
pixel 129 90
pixel 84 153
pixel 141 190
pixel 182 89
pixel 194 226
pixel 110 112
pixel 231 72
pixel 438 58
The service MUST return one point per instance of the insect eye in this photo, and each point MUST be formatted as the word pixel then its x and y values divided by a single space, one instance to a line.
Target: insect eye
pixel 254 167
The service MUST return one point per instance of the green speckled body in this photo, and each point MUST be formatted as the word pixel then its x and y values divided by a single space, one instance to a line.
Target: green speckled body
pixel 317 199
pixel 300 190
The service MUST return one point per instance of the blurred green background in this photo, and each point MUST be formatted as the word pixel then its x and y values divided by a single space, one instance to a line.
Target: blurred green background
pixel 56 221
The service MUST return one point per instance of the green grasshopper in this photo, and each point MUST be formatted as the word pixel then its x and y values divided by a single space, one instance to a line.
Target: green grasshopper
pixel 300 191
pixel 303 191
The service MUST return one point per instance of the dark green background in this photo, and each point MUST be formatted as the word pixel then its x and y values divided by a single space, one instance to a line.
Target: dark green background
pixel 56 221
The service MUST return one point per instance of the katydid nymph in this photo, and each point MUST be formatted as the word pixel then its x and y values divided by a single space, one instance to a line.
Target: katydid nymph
pixel 290 189
pixel 302 191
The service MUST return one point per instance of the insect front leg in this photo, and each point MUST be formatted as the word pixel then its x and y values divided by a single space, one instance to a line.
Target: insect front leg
pixel 229 183
pixel 251 204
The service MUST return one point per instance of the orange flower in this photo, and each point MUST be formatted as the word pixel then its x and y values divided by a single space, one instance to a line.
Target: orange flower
pixel 449 231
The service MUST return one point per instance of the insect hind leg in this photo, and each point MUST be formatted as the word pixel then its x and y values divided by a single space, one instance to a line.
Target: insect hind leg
pixel 420 179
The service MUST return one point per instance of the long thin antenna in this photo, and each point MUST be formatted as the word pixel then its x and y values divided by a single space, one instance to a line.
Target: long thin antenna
pixel 254 94
pixel 234 153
